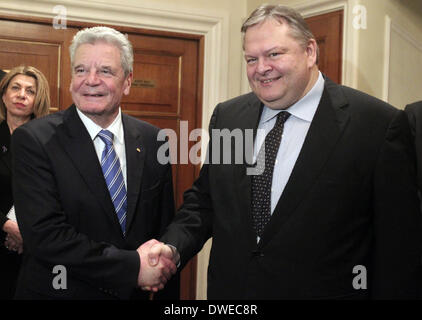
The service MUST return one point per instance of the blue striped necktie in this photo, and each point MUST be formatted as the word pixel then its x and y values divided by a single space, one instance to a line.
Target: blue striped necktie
pixel 112 171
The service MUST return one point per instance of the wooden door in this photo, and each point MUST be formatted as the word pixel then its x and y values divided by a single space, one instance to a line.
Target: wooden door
pixel 328 31
pixel 166 90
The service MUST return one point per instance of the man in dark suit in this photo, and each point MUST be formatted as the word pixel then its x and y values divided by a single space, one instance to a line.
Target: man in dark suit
pixel 88 188
pixel 333 214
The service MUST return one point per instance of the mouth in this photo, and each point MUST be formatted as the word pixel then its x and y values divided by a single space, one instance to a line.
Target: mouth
pixel 20 105
pixel 93 95
pixel 267 81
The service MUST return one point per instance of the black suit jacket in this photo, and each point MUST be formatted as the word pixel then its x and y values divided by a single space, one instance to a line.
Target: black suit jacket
pixel 6 197
pixel 66 214
pixel 350 201
pixel 9 260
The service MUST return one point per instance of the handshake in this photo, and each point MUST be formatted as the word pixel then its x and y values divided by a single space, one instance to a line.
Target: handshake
pixel 158 263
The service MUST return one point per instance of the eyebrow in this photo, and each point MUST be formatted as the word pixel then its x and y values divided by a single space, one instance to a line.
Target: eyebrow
pixel 274 48
pixel 100 66
pixel 109 67
pixel 269 50
pixel 17 83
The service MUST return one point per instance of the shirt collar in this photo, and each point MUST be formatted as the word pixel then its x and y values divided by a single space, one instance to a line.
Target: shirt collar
pixel 93 129
pixel 303 109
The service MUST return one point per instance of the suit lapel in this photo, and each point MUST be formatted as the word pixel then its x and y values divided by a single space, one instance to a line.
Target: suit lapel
pixel 135 159
pixel 326 128
pixel 77 142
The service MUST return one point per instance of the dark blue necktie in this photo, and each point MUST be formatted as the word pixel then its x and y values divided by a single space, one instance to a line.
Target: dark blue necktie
pixel 112 171
pixel 261 183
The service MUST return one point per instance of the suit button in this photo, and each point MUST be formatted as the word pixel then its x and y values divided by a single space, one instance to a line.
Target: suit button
pixel 257 254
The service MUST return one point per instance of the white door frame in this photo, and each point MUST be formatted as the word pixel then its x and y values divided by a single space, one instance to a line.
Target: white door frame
pixel 350 35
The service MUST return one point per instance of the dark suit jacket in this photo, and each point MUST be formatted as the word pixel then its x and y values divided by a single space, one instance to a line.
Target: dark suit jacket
pixel 6 197
pixel 66 214
pixel 351 200
pixel 9 260
pixel 414 113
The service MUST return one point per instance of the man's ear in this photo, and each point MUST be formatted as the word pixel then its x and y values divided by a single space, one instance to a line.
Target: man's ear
pixel 312 52
pixel 128 83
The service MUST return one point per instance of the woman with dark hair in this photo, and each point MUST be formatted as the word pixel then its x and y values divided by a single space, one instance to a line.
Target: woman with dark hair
pixel 24 95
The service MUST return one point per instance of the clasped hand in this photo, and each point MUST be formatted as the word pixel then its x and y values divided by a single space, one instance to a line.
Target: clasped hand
pixel 13 239
pixel 158 265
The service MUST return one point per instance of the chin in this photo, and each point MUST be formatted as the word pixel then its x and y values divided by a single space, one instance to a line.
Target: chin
pixel 275 103
pixel 270 100
pixel 94 110
pixel 275 106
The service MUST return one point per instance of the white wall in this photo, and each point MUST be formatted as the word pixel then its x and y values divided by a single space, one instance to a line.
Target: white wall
pixel 402 76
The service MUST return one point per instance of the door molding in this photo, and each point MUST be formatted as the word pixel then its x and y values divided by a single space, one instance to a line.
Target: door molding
pixel 350 53
pixel 392 28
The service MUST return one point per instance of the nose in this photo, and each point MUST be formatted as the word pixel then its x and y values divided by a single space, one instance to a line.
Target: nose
pixel 92 78
pixel 21 93
pixel 263 66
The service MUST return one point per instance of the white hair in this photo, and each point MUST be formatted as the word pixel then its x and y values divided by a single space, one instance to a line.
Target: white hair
pixel 107 35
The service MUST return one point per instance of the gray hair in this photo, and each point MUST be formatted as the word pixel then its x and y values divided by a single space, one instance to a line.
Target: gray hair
pixel 299 29
pixel 108 35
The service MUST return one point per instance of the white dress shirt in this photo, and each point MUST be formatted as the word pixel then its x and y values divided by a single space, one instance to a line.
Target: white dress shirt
pixel 295 131
pixel 119 142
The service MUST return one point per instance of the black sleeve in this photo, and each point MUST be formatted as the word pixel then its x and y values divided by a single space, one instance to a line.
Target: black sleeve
pixel 192 226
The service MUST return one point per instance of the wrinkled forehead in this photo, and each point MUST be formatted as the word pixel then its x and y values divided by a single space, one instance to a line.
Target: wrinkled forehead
pixel 97 53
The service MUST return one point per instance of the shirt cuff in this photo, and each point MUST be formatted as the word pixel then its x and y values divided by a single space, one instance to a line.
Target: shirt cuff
pixel 176 255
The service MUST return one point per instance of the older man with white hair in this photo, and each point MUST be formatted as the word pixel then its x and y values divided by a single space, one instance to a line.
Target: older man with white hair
pixel 88 188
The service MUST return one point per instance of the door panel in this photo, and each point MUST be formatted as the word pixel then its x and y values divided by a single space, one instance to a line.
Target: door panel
pixel 153 74
pixel 41 54
pixel 328 31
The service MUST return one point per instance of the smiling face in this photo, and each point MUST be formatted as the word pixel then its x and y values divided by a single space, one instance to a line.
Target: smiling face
pixel 280 70
pixel 19 97
pixel 98 81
